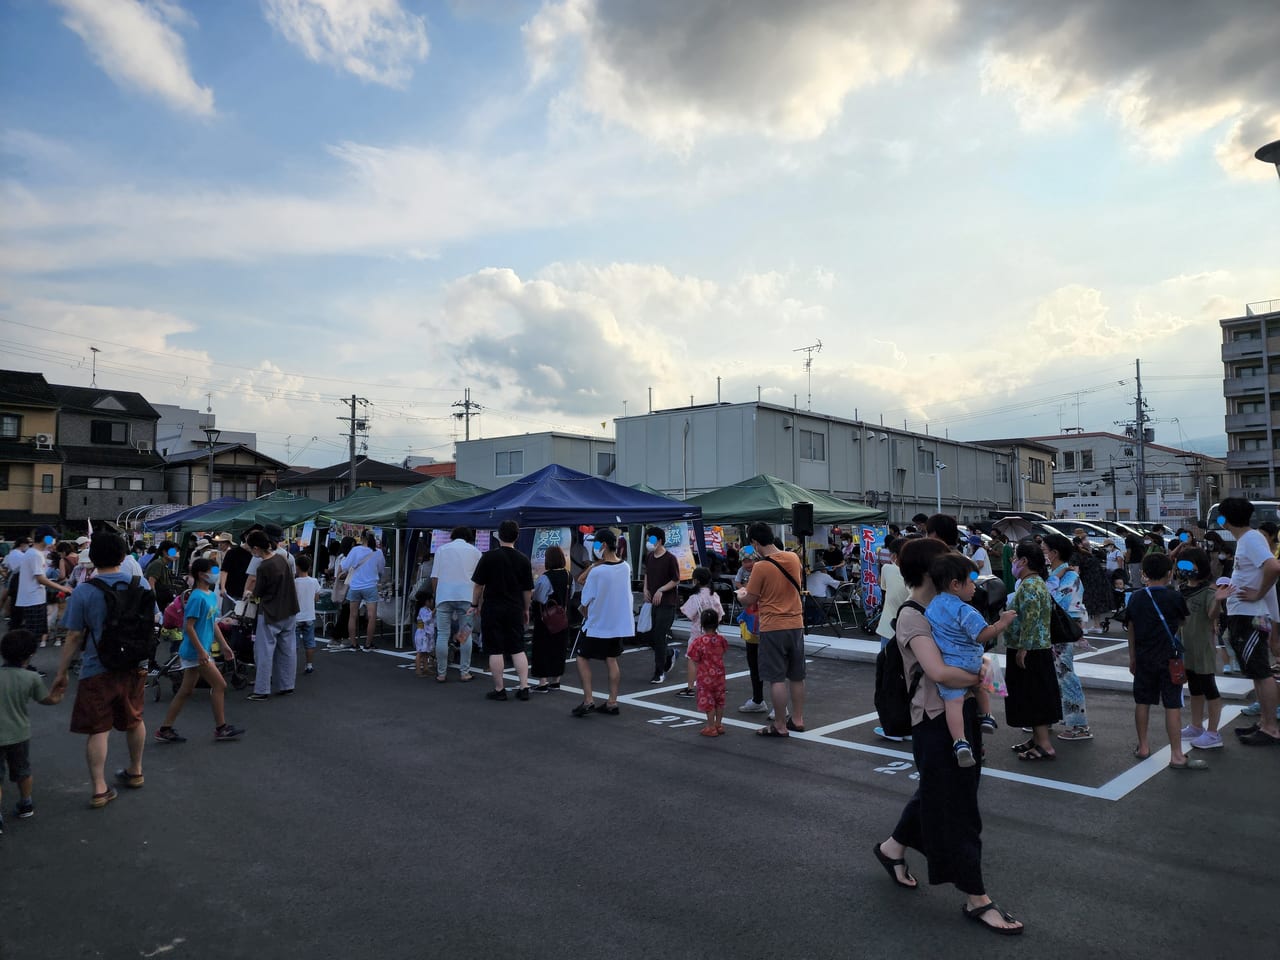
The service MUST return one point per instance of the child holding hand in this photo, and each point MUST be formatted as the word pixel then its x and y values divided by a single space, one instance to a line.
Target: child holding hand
pixel 707 651
pixel 702 599
pixel 961 634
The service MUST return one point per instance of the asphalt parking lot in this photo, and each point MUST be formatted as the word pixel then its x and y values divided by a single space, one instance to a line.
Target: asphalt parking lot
pixel 376 814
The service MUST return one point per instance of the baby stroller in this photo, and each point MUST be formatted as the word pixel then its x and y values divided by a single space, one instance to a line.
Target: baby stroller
pixel 235 672
pixel 1120 599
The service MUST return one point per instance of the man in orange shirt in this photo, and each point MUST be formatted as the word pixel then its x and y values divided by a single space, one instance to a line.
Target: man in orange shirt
pixel 775 586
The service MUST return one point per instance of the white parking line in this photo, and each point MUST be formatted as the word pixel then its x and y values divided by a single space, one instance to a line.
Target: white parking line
pixel 1117 788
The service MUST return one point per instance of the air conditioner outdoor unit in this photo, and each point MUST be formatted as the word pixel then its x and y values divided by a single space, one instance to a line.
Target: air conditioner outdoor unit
pixel 144 446
pixel 44 441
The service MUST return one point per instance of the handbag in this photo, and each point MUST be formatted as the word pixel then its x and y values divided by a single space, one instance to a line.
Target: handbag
pixel 1062 628
pixel 340 584
pixel 554 617
pixel 644 621
pixel 1177 669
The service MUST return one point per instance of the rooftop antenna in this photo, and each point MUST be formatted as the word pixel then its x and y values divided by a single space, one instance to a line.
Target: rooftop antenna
pixel 808 352
pixel 93 382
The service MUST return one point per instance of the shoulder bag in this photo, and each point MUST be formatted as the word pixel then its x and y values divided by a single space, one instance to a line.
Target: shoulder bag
pixel 1177 669
pixel 341 583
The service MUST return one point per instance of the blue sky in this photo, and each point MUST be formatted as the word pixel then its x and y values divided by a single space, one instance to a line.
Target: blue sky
pixel 981 210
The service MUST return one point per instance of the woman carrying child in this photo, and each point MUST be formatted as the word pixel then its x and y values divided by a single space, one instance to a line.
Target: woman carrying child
pixel 200 630
pixel 553 587
pixel 707 651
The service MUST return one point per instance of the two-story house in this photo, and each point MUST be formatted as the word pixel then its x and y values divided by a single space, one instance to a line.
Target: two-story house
pixel 30 461
pixel 108 442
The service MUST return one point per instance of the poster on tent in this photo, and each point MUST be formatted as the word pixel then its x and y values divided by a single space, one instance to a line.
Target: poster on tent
pixel 871 542
pixel 308 532
pixel 544 538
pixel 440 537
pixel 713 540
pixel 680 543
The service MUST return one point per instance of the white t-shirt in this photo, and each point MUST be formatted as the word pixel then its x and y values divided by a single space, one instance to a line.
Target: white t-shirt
pixel 454 564
pixel 821 584
pixel 983 562
pixel 308 588
pixel 31 593
pixel 13 559
pixel 607 597
pixel 1251 553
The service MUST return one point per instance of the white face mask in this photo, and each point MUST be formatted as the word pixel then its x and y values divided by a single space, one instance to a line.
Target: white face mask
pixel 651 544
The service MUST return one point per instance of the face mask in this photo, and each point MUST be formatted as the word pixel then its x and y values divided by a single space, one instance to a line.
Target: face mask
pixel 171 553
pixel 1222 521
pixel 598 549
pixel 213 573
pixel 48 541
pixel 1222 556
pixel 651 543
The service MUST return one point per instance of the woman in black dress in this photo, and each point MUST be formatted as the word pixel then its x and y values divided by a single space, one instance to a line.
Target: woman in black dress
pixel 549 647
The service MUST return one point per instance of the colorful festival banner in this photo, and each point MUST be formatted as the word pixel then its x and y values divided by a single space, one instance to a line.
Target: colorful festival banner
pixel 543 539
pixel 871 543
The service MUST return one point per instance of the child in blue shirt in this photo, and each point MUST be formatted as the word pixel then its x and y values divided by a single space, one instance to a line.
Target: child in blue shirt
pixel 961 633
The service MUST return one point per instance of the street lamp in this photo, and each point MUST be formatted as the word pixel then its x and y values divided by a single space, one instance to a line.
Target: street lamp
pixel 1270 153
pixel 1022 489
pixel 938 467
pixel 211 435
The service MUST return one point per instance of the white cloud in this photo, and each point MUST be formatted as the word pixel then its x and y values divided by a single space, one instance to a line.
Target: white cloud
pixel 684 71
pixel 375 40
pixel 137 45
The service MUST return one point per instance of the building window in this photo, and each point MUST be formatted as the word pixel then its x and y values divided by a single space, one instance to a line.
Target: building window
pixel 1163 482
pixel 1252 406
pixel 605 464
pixel 128 483
pixel 93 483
pixel 924 461
pixel 1002 472
pixel 4 476
pixel 1035 468
pixel 46 483
pixel 109 431
pixel 508 463
pixel 1250 334
pixel 10 426
pixel 1254 481
pixel 1086 459
pixel 1250 371
pixel 1068 459
pixel 1252 443
pixel 813 445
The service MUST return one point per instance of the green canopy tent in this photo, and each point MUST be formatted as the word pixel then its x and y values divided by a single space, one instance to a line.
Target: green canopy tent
pixel 282 508
pixel 770 499
pixel 390 511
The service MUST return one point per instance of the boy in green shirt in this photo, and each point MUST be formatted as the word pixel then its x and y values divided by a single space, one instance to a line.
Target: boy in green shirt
pixel 18 685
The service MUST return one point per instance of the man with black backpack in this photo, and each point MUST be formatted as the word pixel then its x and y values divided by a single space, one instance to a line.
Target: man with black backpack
pixel 113 617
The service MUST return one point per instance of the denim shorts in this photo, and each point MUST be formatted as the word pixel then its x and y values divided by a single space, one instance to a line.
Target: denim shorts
pixel 306 630
pixel 368 595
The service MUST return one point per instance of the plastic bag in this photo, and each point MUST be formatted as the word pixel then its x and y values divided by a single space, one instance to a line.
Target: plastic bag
pixel 993 678
pixel 644 620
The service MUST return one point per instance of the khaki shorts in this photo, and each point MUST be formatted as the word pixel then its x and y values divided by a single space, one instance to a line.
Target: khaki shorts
pixel 112 699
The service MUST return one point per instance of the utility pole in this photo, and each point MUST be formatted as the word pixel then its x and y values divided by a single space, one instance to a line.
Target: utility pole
pixel 354 423
pixel 469 410
pixel 1140 421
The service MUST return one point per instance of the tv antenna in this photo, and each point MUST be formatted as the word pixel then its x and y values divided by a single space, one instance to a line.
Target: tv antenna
pixel 808 352
pixel 93 381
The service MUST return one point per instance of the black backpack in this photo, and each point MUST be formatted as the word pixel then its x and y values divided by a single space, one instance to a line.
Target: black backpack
pixel 893 692
pixel 129 631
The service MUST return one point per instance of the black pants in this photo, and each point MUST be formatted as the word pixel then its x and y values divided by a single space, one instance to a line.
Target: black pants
pixel 663 616
pixel 753 664
pixel 942 820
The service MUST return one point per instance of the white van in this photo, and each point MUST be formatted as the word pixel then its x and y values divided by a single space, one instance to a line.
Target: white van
pixel 1262 510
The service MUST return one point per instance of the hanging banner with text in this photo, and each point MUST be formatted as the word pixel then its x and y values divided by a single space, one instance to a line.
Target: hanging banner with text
pixel 544 538
pixel 871 542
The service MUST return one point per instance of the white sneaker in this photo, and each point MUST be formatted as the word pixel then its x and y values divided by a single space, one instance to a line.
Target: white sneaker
pixel 1207 741
pixel 753 706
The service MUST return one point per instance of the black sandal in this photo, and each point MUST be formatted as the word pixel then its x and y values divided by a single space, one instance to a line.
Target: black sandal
pixel 1024 746
pixel 1035 753
pixel 977 913
pixel 890 866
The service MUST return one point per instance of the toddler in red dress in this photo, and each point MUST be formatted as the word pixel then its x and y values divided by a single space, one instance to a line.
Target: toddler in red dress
pixel 707 651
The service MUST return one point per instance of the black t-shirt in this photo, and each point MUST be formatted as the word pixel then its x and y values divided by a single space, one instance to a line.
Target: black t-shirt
pixel 505 574
pixel 658 572
pixel 1152 646
pixel 236 566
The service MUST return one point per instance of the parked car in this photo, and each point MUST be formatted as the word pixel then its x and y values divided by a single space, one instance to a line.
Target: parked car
pixel 1262 510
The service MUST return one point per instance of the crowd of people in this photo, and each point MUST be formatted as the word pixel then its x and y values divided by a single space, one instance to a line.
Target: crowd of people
pixel 1193 599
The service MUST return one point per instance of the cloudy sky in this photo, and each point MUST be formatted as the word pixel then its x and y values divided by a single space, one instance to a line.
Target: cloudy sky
pixel 983 209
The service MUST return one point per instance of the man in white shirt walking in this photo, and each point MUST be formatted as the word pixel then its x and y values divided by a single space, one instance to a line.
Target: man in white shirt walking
pixel 451 584
pixel 30 611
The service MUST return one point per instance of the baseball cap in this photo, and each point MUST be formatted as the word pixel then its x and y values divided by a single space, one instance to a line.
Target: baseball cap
pixel 81 541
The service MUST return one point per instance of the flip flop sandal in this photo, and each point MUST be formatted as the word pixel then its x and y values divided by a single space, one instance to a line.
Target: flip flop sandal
pixel 1035 753
pixel 977 913
pixel 890 864
pixel 772 731
pixel 709 732
pixel 1191 764
pixel 1024 746
pixel 99 800
pixel 1138 755
pixel 792 727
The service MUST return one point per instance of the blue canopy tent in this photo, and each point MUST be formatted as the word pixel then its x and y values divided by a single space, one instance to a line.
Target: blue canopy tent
pixel 556 496
pixel 172 521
